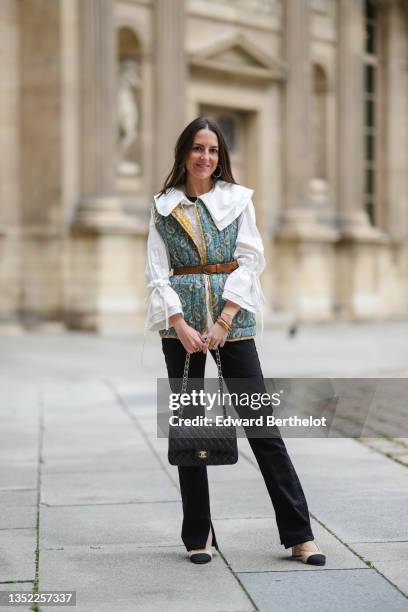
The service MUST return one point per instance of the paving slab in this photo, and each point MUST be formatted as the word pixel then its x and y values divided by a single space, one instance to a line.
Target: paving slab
pixel 311 352
pixel 90 416
pixel 18 474
pixel 74 444
pixel 19 400
pixel 358 463
pixel 138 485
pixel 19 434
pixel 253 545
pixel 79 395
pixel 127 578
pixel 382 551
pixel 395 572
pixel 106 461
pixel 362 514
pixel 18 508
pixel 390 558
pixel 143 524
pixel 376 512
pixel 18 440
pixel 350 589
pixel 148 421
pixel 17 554
pixel 96 446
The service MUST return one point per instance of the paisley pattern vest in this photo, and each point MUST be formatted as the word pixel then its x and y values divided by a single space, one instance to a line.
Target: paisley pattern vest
pixel 183 249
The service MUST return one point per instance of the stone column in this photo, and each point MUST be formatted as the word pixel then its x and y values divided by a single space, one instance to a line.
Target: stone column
pixel 393 212
pixel 99 205
pixel 299 217
pixel 101 293
pixel 170 84
pixel 297 128
pixel 359 255
pixel 304 243
pixel 10 288
pixel 9 200
pixel 354 220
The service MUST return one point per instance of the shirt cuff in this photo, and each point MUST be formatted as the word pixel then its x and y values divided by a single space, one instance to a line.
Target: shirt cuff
pixel 163 303
pixel 160 322
pixel 244 288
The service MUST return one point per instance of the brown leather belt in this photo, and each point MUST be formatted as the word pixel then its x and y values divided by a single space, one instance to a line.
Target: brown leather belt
pixel 207 268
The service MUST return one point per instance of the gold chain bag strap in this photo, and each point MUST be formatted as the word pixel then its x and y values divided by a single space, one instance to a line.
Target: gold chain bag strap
pixel 191 445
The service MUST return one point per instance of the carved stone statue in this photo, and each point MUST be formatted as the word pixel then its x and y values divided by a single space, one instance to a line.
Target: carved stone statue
pixel 128 116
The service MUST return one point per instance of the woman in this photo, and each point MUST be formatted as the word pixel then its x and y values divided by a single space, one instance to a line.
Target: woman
pixel 203 227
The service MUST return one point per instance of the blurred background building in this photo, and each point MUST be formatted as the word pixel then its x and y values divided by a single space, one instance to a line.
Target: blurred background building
pixel 312 96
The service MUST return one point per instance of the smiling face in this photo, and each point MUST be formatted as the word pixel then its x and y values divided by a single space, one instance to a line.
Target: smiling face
pixel 202 160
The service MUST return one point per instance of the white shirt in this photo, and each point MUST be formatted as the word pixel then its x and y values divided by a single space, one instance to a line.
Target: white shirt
pixel 225 202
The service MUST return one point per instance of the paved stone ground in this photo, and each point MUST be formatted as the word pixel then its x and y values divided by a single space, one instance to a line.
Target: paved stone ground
pixel 89 503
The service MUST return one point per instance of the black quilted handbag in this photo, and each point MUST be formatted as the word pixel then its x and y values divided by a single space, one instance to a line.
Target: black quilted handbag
pixel 202 445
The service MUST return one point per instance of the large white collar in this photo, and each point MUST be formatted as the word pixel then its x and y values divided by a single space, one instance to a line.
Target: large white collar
pixel 225 201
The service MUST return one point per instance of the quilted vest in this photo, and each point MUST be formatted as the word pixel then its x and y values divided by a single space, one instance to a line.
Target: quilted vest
pixel 183 251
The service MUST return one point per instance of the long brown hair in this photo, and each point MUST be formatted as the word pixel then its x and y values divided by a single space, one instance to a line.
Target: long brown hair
pixel 184 144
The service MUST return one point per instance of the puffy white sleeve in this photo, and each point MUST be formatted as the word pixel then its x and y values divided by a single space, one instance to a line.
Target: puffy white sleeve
pixel 242 285
pixel 163 300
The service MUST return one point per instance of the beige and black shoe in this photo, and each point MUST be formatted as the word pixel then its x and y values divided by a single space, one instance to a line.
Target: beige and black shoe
pixel 309 553
pixel 202 555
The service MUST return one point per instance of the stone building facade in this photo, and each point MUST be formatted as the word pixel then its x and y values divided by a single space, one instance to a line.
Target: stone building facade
pixel 312 96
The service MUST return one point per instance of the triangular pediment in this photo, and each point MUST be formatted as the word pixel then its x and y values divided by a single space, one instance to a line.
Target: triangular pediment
pixel 236 55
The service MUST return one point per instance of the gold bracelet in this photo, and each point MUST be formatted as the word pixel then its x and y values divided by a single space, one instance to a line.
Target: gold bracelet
pixel 228 329
pixel 227 322
pixel 223 324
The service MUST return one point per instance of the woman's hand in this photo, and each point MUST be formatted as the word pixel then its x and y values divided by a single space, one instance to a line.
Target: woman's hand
pixel 190 338
pixel 216 337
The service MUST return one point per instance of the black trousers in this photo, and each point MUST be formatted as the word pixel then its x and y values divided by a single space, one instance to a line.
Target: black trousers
pixel 239 359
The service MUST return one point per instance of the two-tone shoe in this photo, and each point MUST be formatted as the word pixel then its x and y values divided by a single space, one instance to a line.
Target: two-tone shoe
pixel 309 553
pixel 202 555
